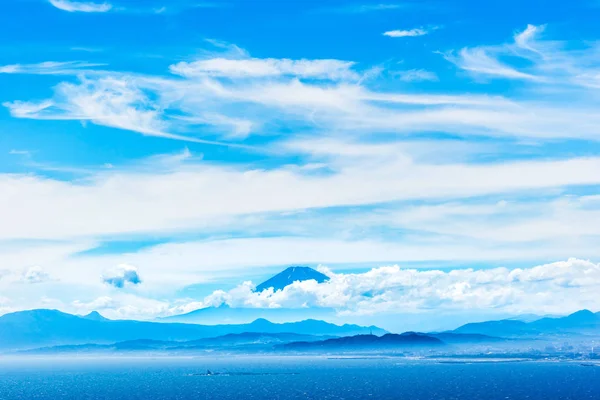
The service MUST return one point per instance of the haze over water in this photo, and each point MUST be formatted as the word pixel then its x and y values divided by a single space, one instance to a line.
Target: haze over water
pixel 292 378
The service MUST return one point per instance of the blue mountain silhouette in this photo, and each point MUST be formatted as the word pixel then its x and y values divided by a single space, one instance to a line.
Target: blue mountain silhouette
pixel 580 322
pixel 365 342
pixel 39 328
pixel 291 275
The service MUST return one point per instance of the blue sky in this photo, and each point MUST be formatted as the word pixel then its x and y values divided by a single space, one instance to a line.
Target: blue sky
pixel 184 147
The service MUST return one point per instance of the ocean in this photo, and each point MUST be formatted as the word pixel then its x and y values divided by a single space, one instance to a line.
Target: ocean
pixel 292 378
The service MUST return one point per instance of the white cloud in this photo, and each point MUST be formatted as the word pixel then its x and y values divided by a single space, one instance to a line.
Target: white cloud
pixel 269 67
pixel 365 8
pixel 481 61
pixel 109 101
pixel 526 38
pixel 559 287
pixel 27 275
pixel 50 68
pixel 542 62
pixel 122 276
pixel 406 33
pixel 100 303
pixel 78 6
pixel 166 197
pixel 122 306
pixel 416 75
pixel 35 275
pixel 25 153
pixel 235 96
pixel 170 267
pixel 231 128
pixel 21 109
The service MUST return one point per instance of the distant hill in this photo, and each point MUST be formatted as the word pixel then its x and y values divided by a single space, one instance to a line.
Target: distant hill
pixel 228 315
pixel 250 342
pixel 246 338
pixel 291 275
pixel 260 342
pixel 503 328
pixel 532 317
pixel 314 327
pixel 367 342
pixel 582 322
pixel 39 328
pixel 466 338
pixel 246 341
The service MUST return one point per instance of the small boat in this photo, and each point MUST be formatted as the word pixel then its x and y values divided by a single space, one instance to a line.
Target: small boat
pixel 211 373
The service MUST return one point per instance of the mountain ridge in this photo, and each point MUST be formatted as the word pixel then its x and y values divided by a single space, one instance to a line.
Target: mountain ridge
pixel 579 322
pixel 230 315
pixel 252 342
pixel 245 341
pixel 39 328
pixel 368 342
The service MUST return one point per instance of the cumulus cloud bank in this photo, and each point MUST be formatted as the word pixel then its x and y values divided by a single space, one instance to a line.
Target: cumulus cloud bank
pixel 122 276
pixel 557 287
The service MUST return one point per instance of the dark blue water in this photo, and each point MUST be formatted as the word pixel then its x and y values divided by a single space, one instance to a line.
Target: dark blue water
pixel 293 378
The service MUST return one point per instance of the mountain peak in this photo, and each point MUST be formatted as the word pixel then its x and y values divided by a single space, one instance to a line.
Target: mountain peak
pixel 291 275
pixel 261 322
pixel 583 312
pixel 583 315
pixel 95 316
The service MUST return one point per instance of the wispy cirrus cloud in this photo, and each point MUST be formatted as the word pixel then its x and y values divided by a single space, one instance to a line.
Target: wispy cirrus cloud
pixel 531 57
pixel 18 152
pixel 50 68
pixel 407 33
pixel 325 94
pixel 482 61
pixel 108 101
pixel 257 68
pixel 81 6
pixel 158 7
pixel 416 75
pixel 231 94
pixel 367 8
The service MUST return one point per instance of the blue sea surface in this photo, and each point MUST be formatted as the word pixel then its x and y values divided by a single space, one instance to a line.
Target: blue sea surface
pixel 292 378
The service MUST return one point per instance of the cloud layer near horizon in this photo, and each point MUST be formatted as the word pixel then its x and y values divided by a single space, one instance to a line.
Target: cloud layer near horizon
pixel 551 288
pixel 555 288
